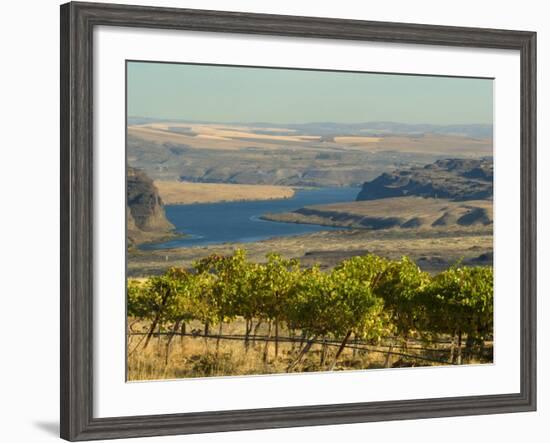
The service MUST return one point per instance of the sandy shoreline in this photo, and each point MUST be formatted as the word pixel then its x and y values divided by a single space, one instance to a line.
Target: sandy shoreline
pixel 181 193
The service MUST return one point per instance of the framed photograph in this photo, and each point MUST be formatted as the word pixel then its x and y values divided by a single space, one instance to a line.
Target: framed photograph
pixel 272 221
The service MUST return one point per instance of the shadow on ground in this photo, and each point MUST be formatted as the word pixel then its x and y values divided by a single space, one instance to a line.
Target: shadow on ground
pixel 49 427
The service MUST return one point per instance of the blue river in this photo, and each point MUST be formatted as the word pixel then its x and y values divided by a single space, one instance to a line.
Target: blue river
pixel 214 223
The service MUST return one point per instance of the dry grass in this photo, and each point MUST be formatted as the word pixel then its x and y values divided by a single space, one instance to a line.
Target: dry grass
pixel 200 357
pixel 197 357
pixel 188 357
pixel 357 139
pixel 447 244
pixel 423 213
pixel 448 145
pixel 180 193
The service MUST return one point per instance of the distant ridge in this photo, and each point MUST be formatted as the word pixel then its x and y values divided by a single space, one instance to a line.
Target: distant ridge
pixel 455 179
pixel 376 128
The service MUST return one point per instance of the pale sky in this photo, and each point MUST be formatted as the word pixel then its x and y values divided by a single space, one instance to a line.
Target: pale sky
pixel 243 94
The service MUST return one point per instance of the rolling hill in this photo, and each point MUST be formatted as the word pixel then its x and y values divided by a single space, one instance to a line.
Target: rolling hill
pixel 312 154
pixel 398 213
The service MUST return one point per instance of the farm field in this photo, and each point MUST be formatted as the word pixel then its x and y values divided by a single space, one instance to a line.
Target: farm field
pixel 301 156
pixel 238 137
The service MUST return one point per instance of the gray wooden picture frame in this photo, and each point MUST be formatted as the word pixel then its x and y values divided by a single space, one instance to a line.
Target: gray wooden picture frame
pixel 77 23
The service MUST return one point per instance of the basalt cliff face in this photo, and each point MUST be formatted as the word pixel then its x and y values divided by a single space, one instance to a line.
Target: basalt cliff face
pixel 146 220
pixel 455 179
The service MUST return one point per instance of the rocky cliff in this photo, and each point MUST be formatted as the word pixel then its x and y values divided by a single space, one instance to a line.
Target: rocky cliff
pixel 455 179
pixel 146 220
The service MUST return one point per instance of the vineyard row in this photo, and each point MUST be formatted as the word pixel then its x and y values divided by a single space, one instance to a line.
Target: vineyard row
pixel 366 298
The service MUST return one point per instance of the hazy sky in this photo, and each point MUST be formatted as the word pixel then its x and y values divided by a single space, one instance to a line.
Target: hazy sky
pixel 235 94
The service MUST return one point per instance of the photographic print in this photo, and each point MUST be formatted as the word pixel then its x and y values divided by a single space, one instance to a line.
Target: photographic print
pixel 296 220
